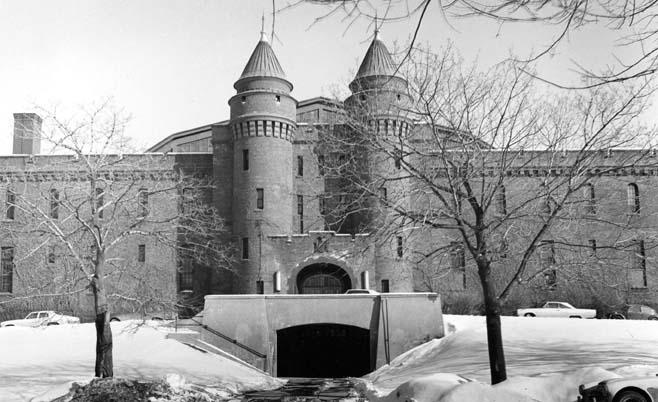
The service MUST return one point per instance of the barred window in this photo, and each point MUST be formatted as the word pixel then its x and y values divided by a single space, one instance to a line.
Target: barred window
pixel 590 198
pixel 6 269
pixel 501 201
pixel 633 198
pixel 143 202
pixel 10 205
pixel 54 203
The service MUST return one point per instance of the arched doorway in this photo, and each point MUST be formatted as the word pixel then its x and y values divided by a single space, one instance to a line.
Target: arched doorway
pixel 323 351
pixel 323 278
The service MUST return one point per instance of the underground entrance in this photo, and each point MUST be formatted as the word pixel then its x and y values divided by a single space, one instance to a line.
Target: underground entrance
pixel 323 351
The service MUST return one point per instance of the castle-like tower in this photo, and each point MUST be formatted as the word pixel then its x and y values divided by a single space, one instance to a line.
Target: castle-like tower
pixel 378 104
pixel 263 126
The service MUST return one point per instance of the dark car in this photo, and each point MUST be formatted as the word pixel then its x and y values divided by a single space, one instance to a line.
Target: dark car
pixel 635 312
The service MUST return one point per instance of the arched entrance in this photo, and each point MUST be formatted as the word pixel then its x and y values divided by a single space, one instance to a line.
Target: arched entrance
pixel 323 278
pixel 323 351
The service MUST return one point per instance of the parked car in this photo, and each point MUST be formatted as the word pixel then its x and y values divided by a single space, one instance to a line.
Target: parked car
pixel 636 389
pixel 361 292
pixel 556 309
pixel 635 312
pixel 39 318
pixel 143 315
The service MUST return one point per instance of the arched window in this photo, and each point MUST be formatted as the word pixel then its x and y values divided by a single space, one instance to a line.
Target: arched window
pixel 633 198
pixel 590 198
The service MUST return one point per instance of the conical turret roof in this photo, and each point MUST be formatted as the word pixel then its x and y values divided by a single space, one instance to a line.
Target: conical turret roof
pixel 263 62
pixel 378 60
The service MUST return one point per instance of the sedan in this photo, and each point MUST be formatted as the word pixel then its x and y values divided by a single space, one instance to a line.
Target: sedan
pixel 40 318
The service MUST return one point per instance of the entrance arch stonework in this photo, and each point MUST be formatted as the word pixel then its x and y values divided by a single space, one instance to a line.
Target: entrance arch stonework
pixel 316 261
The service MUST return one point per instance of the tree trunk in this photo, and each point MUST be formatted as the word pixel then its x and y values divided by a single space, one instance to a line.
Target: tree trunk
pixel 497 364
pixel 104 366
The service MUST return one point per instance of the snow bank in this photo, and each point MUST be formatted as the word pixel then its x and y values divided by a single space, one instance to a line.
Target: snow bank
pixel 547 358
pixel 40 363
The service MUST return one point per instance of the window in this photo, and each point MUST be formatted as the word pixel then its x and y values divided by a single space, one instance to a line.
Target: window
pixel 245 248
pixel 185 271
pixel 458 261
pixel 300 205
pixel 100 202
pixel 590 199
pixel 6 269
pixel 300 165
pixel 638 271
pixel 54 203
pixel 400 249
pixel 385 286
pixel 323 205
pixel 278 98
pixel 245 159
pixel 501 201
pixel 633 198
pixel 260 202
pixel 141 253
pixel 457 258
pixel 260 287
pixel 547 262
pixel 187 201
pixel 321 164
pixel 398 163
pixel 143 201
pixel 51 255
pixel 243 100
pixel 10 205
pixel 592 247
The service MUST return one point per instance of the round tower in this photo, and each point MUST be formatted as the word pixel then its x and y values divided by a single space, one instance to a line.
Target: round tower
pixel 378 106
pixel 263 126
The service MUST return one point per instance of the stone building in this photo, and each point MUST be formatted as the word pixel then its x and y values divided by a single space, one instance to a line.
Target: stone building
pixel 268 167
pixel 267 164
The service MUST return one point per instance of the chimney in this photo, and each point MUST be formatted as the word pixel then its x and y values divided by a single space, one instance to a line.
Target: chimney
pixel 27 133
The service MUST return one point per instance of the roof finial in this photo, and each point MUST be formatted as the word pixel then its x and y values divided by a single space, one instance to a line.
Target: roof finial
pixel 263 35
pixel 376 28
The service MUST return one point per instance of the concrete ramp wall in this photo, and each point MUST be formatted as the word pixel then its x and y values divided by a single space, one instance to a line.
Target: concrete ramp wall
pixel 246 326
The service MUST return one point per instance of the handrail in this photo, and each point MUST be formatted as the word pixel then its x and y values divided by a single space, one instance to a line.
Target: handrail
pixel 229 339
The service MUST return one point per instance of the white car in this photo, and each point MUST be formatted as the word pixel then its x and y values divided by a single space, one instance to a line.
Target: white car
pixel 39 318
pixel 557 309
pixel 636 389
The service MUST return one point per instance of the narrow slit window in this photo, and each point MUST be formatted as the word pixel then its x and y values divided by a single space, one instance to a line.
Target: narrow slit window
pixel 245 248
pixel 260 198
pixel 141 253
pixel 245 159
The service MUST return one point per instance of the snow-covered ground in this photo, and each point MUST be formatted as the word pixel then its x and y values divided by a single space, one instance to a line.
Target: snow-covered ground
pixel 40 363
pixel 546 360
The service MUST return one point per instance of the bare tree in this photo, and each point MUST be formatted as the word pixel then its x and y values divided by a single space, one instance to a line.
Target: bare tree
pixel 85 220
pixel 484 170
pixel 633 22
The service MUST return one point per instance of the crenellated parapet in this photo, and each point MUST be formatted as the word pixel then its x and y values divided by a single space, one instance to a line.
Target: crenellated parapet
pixel 284 130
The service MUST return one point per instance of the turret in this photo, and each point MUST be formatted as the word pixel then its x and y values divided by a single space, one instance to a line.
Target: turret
pixel 263 127
pixel 378 105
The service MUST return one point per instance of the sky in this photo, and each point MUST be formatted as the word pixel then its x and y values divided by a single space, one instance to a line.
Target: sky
pixel 171 64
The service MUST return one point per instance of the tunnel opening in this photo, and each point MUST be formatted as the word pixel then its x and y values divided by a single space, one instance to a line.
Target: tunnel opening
pixel 323 351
